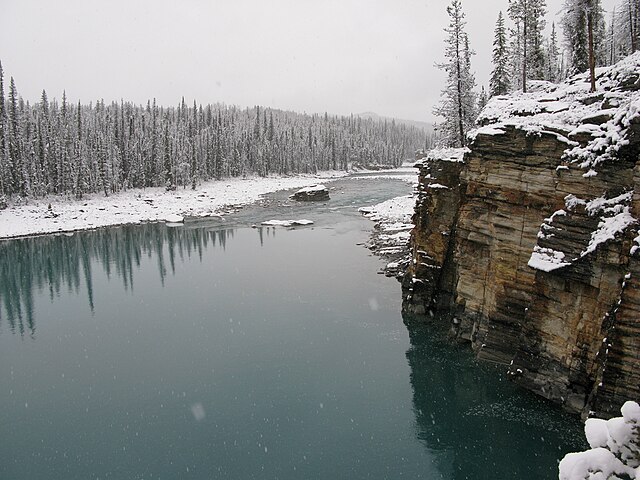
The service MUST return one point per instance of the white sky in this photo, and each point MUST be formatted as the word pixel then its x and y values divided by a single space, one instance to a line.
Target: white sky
pixel 339 56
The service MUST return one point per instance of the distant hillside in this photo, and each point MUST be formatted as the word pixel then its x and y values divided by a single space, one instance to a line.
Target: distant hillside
pixel 426 126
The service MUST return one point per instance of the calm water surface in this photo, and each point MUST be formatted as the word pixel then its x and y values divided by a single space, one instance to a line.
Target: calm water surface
pixel 215 350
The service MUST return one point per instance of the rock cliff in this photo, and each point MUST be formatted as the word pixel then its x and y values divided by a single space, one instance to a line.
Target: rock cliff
pixel 527 241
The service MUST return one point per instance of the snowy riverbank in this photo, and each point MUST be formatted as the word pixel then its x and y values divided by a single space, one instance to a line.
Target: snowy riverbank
pixel 134 206
pixel 390 239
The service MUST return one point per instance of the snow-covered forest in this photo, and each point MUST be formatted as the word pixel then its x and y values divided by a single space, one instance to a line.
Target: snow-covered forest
pixel 54 147
pixel 522 53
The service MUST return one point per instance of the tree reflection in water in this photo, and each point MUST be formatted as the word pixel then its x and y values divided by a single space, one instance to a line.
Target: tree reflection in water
pixel 53 262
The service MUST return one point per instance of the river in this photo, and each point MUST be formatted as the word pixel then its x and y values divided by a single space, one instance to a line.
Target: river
pixel 217 350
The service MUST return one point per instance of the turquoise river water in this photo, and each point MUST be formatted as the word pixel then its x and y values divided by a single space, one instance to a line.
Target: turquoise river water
pixel 219 351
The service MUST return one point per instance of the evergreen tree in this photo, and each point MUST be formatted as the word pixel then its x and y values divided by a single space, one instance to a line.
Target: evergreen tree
pixel 73 151
pixel 4 168
pixel 470 98
pixel 627 28
pixel 80 181
pixel 499 83
pixel 528 16
pixel 482 99
pixel 457 105
pixel 580 22
pixel 632 20
pixel 15 155
pixel 552 70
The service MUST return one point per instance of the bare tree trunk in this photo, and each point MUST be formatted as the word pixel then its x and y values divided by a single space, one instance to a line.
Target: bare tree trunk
pixel 592 58
pixel 524 51
pixel 612 38
pixel 632 31
pixel 459 85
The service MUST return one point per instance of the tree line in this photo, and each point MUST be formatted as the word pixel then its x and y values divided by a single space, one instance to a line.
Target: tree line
pixel 522 53
pixel 54 147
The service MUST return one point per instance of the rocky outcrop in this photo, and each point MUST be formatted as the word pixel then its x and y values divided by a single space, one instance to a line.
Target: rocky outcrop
pixel 525 241
pixel 314 193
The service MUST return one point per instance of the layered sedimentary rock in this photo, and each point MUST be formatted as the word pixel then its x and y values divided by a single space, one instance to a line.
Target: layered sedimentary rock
pixel 527 240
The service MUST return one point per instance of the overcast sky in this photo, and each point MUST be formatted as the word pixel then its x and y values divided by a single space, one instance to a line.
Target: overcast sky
pixel 339 56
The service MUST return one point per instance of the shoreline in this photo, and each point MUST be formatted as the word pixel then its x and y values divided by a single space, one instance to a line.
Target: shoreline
pixel 391 233
pixel 137 206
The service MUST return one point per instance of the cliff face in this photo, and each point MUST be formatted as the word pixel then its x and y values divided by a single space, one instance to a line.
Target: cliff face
pixel 526 241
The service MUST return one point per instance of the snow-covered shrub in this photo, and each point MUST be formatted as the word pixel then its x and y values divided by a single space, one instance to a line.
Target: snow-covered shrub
pixel 615 449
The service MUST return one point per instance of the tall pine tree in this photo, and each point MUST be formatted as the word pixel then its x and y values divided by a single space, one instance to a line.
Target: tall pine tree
pixel 580 23
pixel 500 83
pixel 552 68
pixel 457 105
pixel 3 122
pixel 528 16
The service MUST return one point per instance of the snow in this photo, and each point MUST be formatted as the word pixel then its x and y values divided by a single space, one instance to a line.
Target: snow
pixel 397 237
pixel 447 154
pixel 396 226
pixel 635 247
pixel 287 223
pixel 312 189
pixel 609 227
pixel 399 209
pixel 595 464
pixel 547 259
pixel 214 198
pixel 172 218
pixel 569 109
pixel 595 429
pixel 437 185
pixel 602 204
pixel 393 232
pixel 615 218
pixel 615 448
pixel 409 178
pixel 490 130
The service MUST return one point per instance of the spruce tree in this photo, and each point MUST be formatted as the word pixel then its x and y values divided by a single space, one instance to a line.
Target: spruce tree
pixel 80 180
pixel 69 150
pixel 482 99
pixel 528 16
pixel 15 155
pixel 552 70
pixel 580 22
pixel 4 168
pixel 499 83
pixel 457 105
pixel 627 26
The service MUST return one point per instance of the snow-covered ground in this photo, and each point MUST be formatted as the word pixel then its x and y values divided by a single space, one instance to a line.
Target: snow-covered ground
pixel 393 232
pixel 406 173
pixel 213 198
pixel 395 210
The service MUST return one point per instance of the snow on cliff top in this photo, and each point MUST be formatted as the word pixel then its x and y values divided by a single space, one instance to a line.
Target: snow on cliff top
pixel 565 106
pixel 594 126
pixel 448 154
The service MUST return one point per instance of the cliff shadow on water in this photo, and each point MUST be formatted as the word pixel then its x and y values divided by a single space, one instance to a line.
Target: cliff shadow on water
pixel 468 414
